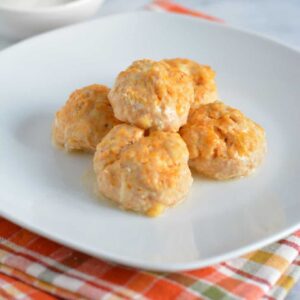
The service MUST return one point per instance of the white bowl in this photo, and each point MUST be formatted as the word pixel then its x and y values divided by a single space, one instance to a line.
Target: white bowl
pixel 20 23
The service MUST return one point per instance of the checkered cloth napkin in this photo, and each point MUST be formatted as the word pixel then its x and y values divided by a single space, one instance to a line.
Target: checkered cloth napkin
pixel 32 267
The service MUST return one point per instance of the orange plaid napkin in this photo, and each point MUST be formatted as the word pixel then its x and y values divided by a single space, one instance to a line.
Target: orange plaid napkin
pixel 38 264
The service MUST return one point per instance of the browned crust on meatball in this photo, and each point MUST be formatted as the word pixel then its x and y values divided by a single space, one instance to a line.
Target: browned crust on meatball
pixel 203 77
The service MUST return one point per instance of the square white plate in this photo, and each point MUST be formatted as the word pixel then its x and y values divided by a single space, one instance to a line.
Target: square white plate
pixel 46 189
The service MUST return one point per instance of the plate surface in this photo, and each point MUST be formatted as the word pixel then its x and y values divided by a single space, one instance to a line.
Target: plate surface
pixel 50 192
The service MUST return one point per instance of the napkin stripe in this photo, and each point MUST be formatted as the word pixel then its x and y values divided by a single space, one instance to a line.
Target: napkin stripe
pixel 232 283
pixel 3 294
pixel 13 289
pixel 291 244
pixel 248 275
pixel 254 269
pixel 34 283
pixel 211 291
pixel 286 282
pixel 170 6
pixel 193 283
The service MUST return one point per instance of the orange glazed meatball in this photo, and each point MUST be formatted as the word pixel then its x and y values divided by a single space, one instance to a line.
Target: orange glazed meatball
pixel 84 120
pixel 223 143
pixel 151 94
pixel 142 173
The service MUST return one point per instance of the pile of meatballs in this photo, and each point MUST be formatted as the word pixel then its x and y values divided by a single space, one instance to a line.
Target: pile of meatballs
pixel 160 119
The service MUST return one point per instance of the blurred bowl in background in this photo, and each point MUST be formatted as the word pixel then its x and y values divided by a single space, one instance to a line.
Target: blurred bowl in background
pixel 19 23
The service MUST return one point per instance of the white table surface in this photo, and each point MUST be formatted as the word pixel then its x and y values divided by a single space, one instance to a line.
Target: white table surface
pixel 279 19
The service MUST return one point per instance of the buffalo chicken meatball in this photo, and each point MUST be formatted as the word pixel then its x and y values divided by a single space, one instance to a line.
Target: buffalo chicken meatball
pixel 223 143
pixel 152 95
pixel 142 173
pixel 84 120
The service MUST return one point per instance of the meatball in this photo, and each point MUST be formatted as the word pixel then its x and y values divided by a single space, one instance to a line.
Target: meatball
pixel 203 77
pixel 152 95
pixel 84 120
pixel 222 142
pixel 107 158
pixel 142 173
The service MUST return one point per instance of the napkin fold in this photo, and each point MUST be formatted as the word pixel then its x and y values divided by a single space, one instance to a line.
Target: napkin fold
pixel 33 267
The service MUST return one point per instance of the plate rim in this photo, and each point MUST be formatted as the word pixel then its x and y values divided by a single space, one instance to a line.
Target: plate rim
pixel 253 33
pixel 162 267
pixel 156 267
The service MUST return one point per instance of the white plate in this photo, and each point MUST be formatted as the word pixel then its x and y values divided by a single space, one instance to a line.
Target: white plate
pixel 46 190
